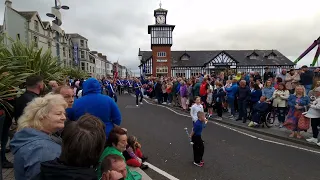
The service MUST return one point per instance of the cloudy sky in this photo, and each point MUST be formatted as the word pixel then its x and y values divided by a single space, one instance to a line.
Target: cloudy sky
pixel 118 28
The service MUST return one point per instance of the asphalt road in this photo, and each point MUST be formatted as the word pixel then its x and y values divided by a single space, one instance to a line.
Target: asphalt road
pixel 228 155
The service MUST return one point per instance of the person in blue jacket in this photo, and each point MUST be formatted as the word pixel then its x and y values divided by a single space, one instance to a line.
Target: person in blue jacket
pixel 137 88
pixel 231 95
pixel 97 104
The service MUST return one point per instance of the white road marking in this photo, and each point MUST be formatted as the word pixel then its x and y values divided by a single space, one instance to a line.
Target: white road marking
pixel 240 132
pixel 163 173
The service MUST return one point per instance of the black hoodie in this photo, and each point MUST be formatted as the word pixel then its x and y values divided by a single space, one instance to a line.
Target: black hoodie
pixel 53 170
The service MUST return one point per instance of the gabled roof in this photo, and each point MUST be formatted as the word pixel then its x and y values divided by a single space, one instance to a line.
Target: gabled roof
pixel 254 53
pixel 200 58
pixel 27 14
pixel 271 53
pixel 185 54
pixel 76 35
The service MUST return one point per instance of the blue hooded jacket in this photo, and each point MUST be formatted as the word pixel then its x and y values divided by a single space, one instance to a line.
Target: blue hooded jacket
pixel 97 104
pixel 30 148
pixel 231 91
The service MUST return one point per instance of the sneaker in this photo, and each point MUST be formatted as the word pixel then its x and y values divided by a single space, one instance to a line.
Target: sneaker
pixel 201 162
pixel 137 105
pixel 231 117
pixel 198 164
pixel 144 167
pixel 144 158
pixel 318 144
pixel 312 140
pixel 141 103
pixel 7 165
pixel 219 118
pixel 164 103
pixel 251 124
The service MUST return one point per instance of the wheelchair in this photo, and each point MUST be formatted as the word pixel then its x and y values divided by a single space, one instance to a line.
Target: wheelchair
pixel 266 118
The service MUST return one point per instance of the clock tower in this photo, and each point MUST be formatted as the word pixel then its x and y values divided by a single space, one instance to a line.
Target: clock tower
pixel 161 42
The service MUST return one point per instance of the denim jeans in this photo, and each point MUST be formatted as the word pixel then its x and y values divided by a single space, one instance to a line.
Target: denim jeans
pixel 231 105
pixel 308 88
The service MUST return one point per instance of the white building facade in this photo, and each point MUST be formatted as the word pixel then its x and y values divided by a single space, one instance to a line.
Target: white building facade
pixel 28 27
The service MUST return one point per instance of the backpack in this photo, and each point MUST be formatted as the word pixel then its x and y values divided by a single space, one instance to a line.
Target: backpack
pixel 203 89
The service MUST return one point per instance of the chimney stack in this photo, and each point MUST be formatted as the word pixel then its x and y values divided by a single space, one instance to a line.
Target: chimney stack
pixel 8 3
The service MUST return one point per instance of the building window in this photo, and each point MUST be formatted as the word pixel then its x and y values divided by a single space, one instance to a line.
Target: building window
pixel 87 67
pixel 35 39
pixel 162 69
pixel 161 54
pixel 36 25
pixel 82 54
pixel 180 74
pixel 81 43
pixel 18 36
pixel 86 43
pixel 93 69
pixel 83 66
pixel 64 52
pixel 184 58
pixel 253 56
pixel 271 56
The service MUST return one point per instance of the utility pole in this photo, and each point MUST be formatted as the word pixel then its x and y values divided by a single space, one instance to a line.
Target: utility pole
pixel 57 22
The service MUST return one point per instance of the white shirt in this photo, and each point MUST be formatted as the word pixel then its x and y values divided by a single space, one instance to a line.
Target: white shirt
pixel 194 110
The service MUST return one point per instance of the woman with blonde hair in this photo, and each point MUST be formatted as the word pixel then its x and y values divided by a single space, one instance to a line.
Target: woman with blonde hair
pixel 32 144
pixel 297 103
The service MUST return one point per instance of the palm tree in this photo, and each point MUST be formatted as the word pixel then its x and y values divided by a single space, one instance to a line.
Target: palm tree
pixel 18 61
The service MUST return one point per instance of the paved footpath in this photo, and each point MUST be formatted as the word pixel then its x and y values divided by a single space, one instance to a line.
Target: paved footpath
pixel 230 153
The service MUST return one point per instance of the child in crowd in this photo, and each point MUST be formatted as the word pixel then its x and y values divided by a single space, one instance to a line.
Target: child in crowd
pixel 133 153
pixel 195 108
pixel 198 144
pixel 210 102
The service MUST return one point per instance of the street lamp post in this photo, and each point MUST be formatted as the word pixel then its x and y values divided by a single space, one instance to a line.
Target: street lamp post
pixel 57 22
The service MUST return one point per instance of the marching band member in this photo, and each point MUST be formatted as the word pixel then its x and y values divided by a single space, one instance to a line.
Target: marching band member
pixel 137 88
pixel 111 90
pixel 129 84
pixel 120 87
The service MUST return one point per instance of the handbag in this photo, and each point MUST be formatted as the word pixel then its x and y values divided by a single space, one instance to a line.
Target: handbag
pixel 303 123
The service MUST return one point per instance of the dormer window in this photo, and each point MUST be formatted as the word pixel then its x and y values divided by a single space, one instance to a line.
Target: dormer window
pixel 161 54
pixel 272 55
pixel 253 55
pixel 184 58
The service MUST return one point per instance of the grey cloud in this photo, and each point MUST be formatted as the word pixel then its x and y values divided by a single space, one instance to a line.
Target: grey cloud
pixel 289 37
pixel 119 28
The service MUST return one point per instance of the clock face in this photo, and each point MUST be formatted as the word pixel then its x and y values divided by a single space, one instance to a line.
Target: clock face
pixel 161 19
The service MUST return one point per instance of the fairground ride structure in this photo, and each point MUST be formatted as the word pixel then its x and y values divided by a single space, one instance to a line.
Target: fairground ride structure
pixel 316 56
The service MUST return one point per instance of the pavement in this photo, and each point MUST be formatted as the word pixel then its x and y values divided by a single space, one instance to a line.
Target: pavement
pixel 231 153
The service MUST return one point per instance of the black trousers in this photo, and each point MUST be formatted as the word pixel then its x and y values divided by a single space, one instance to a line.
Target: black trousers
pixel 198 148
pixel 120 90
pixel 315 122
pixel 219 108
pixel 137 98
